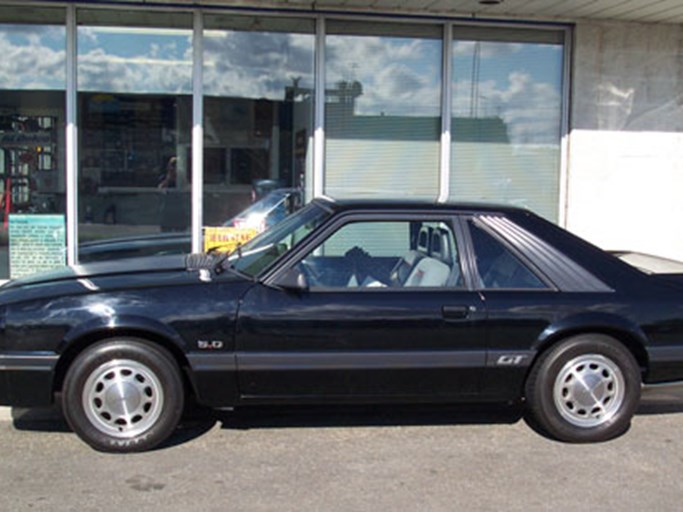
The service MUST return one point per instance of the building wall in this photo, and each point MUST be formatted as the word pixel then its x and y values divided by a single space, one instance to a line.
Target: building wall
pixel 623 183
pixel 625 163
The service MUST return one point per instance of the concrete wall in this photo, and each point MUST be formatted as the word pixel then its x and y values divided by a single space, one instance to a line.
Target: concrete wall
pixel 625 165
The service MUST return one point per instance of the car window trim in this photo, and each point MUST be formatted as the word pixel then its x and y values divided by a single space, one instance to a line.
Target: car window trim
pixel 524 260
pixel 566 274
pixel 368 215
pixel 468 261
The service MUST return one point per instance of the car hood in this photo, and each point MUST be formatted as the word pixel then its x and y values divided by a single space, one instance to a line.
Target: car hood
pixel 128 267
pixel 90 270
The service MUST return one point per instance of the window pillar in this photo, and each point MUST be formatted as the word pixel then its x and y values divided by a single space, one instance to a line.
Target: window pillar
pixel 197 132
pixel 71 139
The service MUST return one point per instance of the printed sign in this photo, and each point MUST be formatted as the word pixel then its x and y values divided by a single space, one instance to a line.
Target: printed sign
pixel 226 239
pixel 37 243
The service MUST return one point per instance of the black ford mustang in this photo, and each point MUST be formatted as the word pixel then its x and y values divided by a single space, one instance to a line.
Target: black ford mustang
pixel 348 302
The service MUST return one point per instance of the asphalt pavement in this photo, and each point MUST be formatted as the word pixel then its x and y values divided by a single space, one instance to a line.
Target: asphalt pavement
pixel 350 459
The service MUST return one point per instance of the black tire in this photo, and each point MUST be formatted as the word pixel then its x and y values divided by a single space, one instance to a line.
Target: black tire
pixel 110 373
pixel 560 404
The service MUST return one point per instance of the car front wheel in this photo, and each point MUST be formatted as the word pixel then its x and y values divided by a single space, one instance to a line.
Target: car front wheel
pixel 123 395
pixel 584 389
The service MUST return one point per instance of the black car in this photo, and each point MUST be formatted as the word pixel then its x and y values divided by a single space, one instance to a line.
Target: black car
pixel 347 302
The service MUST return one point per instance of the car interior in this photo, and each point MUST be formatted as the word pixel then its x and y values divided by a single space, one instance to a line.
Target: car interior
pixel 425 257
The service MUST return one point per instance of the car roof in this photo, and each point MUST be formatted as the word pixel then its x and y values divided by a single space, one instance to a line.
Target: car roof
pixel 340 205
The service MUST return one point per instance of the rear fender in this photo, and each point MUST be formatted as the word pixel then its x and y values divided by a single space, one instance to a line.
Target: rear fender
pixel 620 328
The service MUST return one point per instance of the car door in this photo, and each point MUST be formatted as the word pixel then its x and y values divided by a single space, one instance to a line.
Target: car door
pixel 385 313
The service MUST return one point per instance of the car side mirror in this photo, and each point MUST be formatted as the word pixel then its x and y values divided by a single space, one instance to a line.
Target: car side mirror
pixel 293 280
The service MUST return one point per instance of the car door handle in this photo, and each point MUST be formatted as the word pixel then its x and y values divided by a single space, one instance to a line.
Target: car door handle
pixel 455 312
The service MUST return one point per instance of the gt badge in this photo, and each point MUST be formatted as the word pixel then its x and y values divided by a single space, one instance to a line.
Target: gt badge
pixel 510 360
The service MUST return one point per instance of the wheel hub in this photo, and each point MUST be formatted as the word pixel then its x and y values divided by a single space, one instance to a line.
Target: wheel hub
pixel 123 398
pixel 589 390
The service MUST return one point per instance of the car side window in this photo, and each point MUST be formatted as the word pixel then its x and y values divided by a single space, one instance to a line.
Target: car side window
pixel 385 254
pixel 497 266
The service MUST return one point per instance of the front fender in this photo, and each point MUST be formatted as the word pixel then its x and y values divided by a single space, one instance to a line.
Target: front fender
pixel 111 326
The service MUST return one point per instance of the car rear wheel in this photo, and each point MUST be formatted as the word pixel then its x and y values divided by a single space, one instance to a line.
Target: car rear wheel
pixel 584 389
pixel 123 395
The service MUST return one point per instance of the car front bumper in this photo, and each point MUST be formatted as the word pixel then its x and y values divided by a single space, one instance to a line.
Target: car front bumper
pixel 26 380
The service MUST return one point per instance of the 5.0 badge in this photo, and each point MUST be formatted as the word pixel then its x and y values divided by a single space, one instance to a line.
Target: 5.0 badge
pixel 209 345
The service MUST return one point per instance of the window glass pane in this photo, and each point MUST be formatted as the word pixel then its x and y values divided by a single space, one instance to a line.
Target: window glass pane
pixel 135 113
pixel 382 110
pixel 32 126
pixel 497 266
pixel 385 239
pixel 506 124
pixel 385 254
pixel 258 116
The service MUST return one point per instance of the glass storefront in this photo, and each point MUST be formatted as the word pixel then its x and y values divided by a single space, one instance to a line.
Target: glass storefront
pixel 382 121
pixel 135 113
pixel 32 119
pixel 382 109
pixel 506 117
pixel 258 110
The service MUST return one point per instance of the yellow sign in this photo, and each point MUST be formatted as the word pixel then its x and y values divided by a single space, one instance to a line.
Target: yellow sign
pixel 226 239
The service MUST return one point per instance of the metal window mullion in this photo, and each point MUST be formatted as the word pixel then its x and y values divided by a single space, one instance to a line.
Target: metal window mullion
pixel 446 103
pixel 71 137
pixel 563 192
pixel 197 131
pixel 319 122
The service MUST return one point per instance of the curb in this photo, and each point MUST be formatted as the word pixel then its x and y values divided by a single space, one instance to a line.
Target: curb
pixel 38 414
pixel 5 414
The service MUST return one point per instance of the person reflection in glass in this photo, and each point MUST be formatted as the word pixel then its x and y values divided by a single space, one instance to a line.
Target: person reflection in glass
pixel 170 177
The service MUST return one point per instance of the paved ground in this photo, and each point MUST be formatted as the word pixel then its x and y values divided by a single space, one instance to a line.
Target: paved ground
pixel 352 459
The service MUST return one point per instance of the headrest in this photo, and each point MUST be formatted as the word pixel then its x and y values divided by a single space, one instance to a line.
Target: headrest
pixel 423 239
pixel 441 245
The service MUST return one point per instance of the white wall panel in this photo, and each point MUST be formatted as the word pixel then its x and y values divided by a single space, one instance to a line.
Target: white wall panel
pixel 625 190
pixel 625 175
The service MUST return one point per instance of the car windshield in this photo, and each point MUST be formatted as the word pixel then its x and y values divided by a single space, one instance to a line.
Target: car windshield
pixel 260 252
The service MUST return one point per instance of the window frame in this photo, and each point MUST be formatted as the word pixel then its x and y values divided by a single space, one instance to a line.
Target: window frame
pixel 343 219
pixel 391 28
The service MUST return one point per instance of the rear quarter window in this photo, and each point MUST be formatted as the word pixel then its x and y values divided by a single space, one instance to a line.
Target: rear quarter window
pixel 497 266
